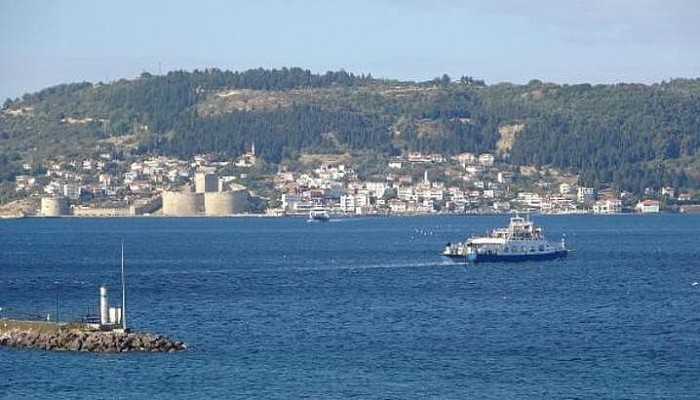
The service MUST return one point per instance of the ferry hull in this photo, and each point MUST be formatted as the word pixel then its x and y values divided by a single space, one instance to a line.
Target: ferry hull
pixel 495 258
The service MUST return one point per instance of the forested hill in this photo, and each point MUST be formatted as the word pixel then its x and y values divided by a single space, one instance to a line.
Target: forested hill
pixel 629 135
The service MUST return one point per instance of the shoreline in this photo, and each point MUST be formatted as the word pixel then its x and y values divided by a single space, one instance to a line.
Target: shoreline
pixel 337 216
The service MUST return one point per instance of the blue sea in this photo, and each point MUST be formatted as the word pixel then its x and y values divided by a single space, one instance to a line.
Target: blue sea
pixel 361 308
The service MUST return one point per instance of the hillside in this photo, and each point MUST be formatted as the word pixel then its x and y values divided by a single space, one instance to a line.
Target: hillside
pixel 630 136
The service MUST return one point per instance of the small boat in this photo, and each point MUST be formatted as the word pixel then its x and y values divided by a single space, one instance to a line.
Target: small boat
pixel 319 214
pixel 13 216
pixel 520 241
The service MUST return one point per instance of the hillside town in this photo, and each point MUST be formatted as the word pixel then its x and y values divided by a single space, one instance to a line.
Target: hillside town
pixel 462 184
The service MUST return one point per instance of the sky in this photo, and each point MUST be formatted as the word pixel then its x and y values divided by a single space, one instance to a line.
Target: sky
pixel 48 42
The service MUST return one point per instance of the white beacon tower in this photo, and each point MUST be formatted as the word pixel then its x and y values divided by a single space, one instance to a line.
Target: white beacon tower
pixel 104 306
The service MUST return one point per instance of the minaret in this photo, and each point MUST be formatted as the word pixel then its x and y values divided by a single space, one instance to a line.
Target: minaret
pixel 425 177
pixel 252 149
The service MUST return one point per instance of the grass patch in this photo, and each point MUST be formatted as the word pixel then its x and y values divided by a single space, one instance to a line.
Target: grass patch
pixel 41 326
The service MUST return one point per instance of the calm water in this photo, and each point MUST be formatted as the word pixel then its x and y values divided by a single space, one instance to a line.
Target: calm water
pixel 365 308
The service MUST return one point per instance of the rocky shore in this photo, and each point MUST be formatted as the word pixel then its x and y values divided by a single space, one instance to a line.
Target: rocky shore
pixel 92 341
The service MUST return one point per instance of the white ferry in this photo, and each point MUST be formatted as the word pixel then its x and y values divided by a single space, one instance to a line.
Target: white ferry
pixel 319 214
pixel 520 241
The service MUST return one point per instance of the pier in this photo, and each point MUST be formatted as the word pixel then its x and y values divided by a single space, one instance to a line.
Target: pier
pixel 79 337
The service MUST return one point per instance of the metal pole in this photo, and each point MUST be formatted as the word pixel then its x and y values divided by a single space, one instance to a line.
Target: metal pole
pixel 56 302
pixel 123 291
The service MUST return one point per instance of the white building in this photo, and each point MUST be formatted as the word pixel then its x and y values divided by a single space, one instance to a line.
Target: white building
pixel 354 203
pixel 70 190
pixel 417 157
pixel 395 164
pixel 466 158
pixel 504 177
pixel 398 206
pixel 585 194
pixel 289 201
pixel 531 201
pixel 406 193
pixel 89 165
pixel 24 181
pixel 647 206
pixel 376 188
pixel 608 206
pixel 486 159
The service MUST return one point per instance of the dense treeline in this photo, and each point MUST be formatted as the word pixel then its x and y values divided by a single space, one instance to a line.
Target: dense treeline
pixel 633 136
pixel 159 101
pixel 8 167
pixel 282 79
pixel 279 133
pixel 629 135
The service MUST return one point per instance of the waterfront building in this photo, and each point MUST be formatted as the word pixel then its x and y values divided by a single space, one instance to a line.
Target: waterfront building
pixel 647 206
pixel 607 206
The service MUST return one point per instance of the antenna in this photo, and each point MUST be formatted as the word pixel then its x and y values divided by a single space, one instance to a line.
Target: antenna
pixel 123 291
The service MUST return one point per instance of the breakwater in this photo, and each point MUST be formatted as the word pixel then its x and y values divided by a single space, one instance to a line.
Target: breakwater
pixel 90 341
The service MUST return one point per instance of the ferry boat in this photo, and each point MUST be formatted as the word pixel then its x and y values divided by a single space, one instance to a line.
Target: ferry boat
pixel 318 214
pixel 520 241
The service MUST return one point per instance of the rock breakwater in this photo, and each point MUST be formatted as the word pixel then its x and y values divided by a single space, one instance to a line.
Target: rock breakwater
pixel 91 341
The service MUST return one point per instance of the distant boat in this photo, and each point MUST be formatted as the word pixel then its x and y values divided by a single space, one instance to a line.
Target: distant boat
pixel 319 214
pixel 520 241
pixel 13 216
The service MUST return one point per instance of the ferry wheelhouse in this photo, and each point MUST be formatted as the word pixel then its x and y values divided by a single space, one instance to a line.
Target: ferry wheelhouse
pixel 520 241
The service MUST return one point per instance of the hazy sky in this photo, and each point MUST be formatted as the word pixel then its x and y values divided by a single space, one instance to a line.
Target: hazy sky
pixel 565 41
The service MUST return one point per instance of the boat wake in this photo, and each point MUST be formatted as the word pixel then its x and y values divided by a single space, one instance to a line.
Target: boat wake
pixel 346 267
